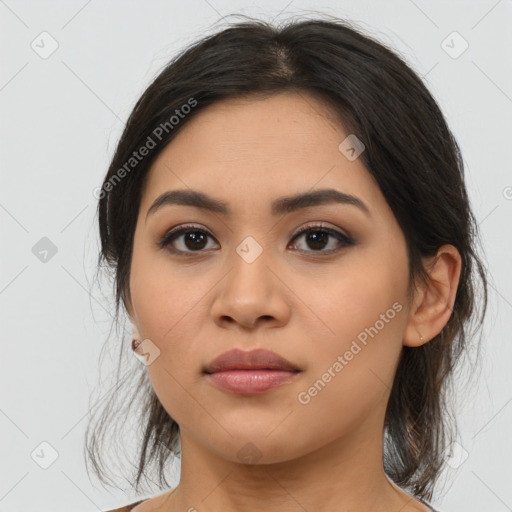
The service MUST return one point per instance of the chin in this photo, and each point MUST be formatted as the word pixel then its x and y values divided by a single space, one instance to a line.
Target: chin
pixel 257 448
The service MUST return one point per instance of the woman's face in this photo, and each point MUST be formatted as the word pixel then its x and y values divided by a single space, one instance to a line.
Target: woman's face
pixel 332 302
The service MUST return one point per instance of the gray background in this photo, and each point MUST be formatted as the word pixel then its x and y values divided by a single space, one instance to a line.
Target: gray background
pixel 61 115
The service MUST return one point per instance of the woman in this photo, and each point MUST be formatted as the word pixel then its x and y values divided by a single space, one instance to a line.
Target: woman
pixel 290 234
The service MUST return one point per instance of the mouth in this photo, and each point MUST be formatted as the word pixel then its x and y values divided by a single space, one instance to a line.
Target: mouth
pixel 249 373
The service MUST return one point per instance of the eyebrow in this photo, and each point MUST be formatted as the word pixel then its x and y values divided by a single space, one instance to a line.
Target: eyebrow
pixel 282 205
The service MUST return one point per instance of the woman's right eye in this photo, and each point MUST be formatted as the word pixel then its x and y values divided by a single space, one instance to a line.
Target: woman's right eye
pixel 186 237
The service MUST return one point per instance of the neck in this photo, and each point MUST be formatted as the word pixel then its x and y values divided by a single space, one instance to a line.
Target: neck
pixel 342 475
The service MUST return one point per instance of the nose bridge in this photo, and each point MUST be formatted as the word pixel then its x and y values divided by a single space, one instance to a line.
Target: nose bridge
pixel 250 262
pixel 250 290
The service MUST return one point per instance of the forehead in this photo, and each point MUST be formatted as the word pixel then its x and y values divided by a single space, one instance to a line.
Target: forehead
pixel 248 150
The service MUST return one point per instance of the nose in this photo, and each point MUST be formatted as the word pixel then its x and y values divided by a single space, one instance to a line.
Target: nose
pixel 251 294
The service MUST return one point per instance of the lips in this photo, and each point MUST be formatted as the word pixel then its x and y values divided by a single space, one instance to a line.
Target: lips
pixel 250 372
pixel 258 359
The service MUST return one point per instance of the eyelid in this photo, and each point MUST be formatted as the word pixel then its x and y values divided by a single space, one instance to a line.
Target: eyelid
pixel 181 229
pixel 320 225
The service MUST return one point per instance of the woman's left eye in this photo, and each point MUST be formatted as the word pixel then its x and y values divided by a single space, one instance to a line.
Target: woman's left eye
pixel 318 236
pixel 195 239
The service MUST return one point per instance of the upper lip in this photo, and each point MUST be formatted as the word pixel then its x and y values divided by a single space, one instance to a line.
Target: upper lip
pixel 257 359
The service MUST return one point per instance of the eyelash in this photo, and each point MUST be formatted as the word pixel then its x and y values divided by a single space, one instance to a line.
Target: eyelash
pixel 190 228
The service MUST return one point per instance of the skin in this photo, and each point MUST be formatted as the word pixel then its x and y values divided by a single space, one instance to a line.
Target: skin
pixel 308 307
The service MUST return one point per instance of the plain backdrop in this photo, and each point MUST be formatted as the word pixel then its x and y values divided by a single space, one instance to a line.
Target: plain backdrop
pixel 70 73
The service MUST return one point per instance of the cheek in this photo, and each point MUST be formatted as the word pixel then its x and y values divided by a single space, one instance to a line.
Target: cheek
pixel 167 304
pixel 354 363
pixel 348 299
pixel 162 294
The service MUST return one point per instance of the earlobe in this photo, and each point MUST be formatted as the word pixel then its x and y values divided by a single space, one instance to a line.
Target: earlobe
pixel 434 299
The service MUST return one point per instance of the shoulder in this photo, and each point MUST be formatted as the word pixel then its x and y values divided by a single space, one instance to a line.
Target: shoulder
pixel 126 508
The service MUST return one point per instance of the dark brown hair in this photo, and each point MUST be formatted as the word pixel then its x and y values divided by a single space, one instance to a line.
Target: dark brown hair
pixel 410 152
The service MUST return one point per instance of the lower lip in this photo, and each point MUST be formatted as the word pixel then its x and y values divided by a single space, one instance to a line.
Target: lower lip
pixel 250 381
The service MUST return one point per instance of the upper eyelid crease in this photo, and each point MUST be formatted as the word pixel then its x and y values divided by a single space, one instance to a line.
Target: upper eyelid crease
pixel 280 206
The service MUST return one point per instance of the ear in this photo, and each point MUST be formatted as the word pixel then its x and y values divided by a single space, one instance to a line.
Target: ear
pixel 433 300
